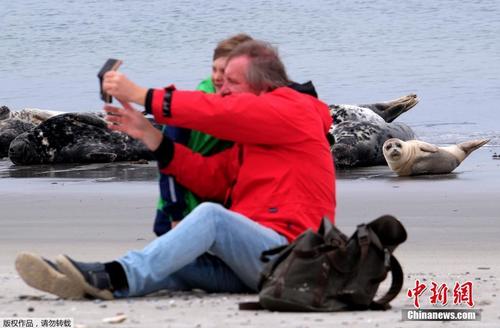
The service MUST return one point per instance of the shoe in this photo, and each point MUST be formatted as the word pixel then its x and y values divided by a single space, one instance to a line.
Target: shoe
pixel 91 277
pixel 42 274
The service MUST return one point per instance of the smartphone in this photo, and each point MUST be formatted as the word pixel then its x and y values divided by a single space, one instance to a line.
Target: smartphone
pixel 110 65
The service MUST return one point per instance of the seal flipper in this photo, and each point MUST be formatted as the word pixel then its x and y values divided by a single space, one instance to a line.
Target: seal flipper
pixel 469 146
pixel 426 147
pixel 101 157
pixel 464 149
pixel 390 110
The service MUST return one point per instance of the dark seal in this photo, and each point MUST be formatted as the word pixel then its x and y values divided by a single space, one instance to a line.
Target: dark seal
pixel 9 130
pixel 358 132
pixel 360 143
pixel 13 123
pixel 75 138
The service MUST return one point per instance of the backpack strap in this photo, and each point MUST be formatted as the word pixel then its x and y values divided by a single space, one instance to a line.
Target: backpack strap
pixel 264 256
pixel 396 285
pixel 364 240
pixel 282 251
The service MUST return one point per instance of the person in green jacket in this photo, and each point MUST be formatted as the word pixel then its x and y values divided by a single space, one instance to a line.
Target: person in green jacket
pixel 175 202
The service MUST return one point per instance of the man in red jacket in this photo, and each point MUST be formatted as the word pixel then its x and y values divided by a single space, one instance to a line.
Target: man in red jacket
pixel 277 181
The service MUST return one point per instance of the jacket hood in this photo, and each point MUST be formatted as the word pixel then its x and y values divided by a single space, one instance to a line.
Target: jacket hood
pixel 309 89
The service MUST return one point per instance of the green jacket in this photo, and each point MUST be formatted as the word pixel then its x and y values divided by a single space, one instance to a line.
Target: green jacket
pixel 201 143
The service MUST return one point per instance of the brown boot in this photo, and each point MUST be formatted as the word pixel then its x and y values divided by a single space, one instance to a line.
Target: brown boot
pixel 42 274
pixel 91 277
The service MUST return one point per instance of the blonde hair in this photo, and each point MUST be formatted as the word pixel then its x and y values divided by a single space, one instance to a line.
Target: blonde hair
pixel 225 46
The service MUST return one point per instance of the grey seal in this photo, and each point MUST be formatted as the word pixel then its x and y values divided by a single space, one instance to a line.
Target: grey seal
pixel 367 120
pixel 416 157
pixel 9 130
pixel 13 123
pixel 75 138
pixel 358 132
pixel 388 110
pixel 32 115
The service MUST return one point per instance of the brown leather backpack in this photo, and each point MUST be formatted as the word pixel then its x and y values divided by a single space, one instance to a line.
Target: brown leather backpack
pixel 326 271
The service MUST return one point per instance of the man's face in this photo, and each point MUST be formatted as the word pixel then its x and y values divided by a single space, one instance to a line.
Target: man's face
pixel 235 76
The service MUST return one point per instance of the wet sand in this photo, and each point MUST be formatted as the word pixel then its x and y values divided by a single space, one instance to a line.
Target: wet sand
pixel 98 212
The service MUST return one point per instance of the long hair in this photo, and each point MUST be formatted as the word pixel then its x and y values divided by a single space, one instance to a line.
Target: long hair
pixel 266 71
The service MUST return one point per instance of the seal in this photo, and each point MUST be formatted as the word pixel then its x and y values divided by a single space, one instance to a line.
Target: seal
pixel 416 157
pixel 75 138
pixel 32 115
pixel 9 130
pixel 13 123
pixel 4 113
pixel 360 143
pixel 388 110
pixel 355 130
pixel 358 133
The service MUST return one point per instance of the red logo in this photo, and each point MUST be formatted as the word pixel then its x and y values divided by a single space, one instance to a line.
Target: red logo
pixel 462 293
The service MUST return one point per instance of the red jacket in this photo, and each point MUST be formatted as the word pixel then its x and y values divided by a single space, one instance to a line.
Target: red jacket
pixel 279 173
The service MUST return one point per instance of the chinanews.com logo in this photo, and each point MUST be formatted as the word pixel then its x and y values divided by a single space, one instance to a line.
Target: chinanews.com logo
pixel 458 295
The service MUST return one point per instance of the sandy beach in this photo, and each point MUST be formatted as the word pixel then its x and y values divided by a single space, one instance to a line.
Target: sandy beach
pixel 97 212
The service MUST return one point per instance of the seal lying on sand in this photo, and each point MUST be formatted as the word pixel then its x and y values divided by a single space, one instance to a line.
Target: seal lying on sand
pixel 75 138
pixel 416 157
pixel 358 133
pixel 9 130
pixel 13 124
pixel 32 115
pixel 388 110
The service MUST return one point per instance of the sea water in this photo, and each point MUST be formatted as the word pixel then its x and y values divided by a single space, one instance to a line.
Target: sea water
pixel 447 52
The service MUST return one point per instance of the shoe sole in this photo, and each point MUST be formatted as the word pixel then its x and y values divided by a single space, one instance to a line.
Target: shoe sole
pixel 37 273
pixel 67 267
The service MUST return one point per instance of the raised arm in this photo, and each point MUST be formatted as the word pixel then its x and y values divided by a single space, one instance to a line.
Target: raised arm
pixel 278 117
pixel 208 177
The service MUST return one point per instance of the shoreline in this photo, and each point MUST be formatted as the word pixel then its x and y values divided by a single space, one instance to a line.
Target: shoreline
pixel 452 223
pixel 481 162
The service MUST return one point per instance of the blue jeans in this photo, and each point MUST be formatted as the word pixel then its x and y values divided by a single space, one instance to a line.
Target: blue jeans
pixel 178 260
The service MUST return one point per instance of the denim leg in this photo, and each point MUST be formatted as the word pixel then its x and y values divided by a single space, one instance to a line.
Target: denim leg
pixel 207 272
pixel 233 238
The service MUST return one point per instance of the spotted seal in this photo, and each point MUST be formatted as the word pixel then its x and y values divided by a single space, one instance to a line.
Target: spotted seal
pixel 358 132
pixel 32 115
pixel 367 119
pixel 416 157
pixel 9 130
pixel 388 110
pixel 13 123
pixel 75 138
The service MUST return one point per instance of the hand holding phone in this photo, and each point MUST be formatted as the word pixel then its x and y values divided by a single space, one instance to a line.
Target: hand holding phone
pixel 110 65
